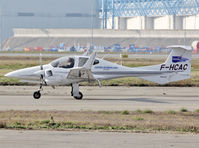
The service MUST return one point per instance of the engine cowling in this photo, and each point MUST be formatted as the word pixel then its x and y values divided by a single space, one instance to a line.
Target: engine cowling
pixel 53 77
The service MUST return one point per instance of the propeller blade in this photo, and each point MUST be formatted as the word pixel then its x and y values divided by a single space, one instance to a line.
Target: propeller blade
pixel 40 60
pixel 42 81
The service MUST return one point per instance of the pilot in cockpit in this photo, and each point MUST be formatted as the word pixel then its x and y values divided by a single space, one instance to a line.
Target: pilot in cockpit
pixel 68 63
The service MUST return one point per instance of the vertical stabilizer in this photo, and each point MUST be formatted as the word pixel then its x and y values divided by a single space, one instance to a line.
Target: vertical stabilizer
pixel 177 66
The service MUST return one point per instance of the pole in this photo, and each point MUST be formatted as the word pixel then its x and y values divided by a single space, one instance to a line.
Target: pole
pixel 103 14
pixel 92 15
pixel 185 27
pixel 113 15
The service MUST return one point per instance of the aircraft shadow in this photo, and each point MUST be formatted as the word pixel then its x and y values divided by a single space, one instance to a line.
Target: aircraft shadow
pixel 145 100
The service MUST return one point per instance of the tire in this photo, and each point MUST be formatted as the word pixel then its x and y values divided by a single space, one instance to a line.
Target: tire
pixel 37 95
pixel 80 97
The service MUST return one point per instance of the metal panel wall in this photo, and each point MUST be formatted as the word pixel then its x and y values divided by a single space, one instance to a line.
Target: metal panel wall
pixel 47 14
pixel 132 8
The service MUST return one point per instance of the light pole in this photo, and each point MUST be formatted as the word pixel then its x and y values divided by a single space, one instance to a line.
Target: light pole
pixel 113 15
pixel 185 29
pixel 103 14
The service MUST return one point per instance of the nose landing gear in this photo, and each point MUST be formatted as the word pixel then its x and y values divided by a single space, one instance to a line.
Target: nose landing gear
pixel 37 94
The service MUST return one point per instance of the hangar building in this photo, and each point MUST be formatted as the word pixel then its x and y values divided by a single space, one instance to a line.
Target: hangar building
pixel 47 14
pixel 47 23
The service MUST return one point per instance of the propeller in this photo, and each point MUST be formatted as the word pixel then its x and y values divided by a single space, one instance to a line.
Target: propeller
pixel 40 60
pixel 42 74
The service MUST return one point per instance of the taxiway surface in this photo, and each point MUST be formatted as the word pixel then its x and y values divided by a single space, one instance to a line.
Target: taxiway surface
pixel 96 98
pixel 52 139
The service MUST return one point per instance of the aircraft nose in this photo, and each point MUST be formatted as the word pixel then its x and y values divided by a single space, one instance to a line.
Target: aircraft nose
pixel 12 75
pixel 7 75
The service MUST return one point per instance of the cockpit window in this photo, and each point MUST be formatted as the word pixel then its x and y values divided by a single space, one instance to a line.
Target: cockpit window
pixel 82 61
pixel 64 62
pixel 96 62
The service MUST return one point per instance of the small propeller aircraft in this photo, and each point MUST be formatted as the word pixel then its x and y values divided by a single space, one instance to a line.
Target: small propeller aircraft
pixel 75 69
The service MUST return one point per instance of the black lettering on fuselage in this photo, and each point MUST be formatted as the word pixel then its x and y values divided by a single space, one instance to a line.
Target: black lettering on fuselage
pixel 185 67
pixel 162 66
pixel 180 68
pixel 171 67
pixel 174 67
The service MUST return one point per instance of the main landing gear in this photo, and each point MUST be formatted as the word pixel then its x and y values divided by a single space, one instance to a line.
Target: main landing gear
pixel 75 91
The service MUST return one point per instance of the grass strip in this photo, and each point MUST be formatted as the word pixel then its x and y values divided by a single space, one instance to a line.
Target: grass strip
pixel 134 121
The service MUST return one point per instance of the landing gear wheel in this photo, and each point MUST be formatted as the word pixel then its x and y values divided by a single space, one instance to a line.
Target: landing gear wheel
pixel 79 97
pixel 37 95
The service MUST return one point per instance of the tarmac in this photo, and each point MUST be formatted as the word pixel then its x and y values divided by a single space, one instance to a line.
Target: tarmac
pixel 96 98
pixel 104 98
pixel 70 139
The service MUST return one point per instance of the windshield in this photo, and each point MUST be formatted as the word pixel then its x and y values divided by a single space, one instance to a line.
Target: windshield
pixel 64 62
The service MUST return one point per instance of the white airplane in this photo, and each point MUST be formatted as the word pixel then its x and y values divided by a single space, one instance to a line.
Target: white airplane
pixel 75 69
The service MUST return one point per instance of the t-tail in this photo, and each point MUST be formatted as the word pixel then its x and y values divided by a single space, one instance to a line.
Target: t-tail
pixel 177 66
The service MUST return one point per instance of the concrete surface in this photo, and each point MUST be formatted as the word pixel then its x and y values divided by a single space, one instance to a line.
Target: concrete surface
pixel 96 98
pixel 69 139
pixel 105 98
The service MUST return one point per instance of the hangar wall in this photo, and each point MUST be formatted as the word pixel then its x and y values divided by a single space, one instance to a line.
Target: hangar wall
pixel 52 38
pixel 47 14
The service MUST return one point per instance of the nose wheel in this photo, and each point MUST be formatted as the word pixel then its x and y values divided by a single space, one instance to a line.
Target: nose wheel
pixel 37 94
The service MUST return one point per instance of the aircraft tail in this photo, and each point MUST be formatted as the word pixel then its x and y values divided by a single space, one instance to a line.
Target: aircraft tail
pixel 177 66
